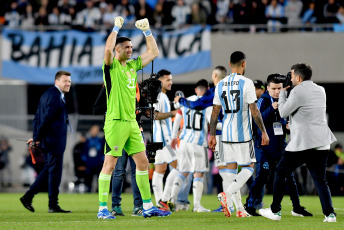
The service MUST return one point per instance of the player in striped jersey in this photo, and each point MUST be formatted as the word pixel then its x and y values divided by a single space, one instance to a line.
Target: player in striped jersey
pixel 193 154
pixel 236 95
pixel 162 132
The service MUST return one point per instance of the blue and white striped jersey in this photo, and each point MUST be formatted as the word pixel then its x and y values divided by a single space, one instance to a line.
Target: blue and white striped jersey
pixel 195 128
pixel 234 93
pixel 162 129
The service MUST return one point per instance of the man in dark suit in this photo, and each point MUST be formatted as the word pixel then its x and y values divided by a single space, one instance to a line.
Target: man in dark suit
pixel 50 134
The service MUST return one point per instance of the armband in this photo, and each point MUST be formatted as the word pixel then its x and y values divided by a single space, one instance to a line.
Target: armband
pixel 147 33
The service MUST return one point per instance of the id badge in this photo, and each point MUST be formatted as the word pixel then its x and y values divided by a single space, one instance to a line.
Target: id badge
pixel 278 130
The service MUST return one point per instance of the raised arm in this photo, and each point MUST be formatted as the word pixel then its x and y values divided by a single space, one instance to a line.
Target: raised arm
pixel 152 48
pixel 111 40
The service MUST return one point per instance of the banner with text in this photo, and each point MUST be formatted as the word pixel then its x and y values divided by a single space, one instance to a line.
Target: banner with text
pixel 35 57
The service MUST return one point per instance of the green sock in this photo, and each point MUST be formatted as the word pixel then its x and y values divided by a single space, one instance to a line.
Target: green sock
pixel 142 181
pixel 103 188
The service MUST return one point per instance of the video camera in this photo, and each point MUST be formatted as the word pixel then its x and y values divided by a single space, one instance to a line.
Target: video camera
pixel 285 79
pixel 149 90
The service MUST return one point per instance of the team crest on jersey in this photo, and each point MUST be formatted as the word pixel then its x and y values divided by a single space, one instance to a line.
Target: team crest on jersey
pixel 128 74
pixel 132 70
pixel 115 148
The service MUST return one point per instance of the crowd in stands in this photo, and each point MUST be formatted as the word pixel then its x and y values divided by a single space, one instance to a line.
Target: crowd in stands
pixel 91 14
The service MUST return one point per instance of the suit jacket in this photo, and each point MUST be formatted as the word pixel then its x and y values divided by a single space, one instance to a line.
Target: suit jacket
pixel 306 108
pixel 50 123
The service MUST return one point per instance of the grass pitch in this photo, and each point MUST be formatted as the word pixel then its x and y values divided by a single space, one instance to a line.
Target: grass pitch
pixel 85 206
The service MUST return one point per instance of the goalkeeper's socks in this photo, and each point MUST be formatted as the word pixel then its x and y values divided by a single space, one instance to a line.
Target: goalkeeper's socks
pixel 197 190
pixel 103 188
pixel 142 181
pixel 157 186
pixel 168 185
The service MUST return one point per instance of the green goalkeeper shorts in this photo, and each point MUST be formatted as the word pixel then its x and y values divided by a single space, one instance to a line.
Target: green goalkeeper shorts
pixel 119 135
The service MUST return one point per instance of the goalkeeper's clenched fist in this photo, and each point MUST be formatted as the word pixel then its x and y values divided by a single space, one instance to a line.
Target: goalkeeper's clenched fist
pixel 118 21
pixel 143 25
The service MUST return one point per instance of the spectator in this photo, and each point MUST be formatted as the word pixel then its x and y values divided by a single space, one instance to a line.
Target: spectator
pixel 274 13
pixel 158 15
pixel 309 16
pixel 181 14
pixel 67 18
pixel 127 11
pixel 93 155
pixel 340 15
pixel 330 11
pixel 339 168
pixel 79 162
pixel 293 10
pixel 12 17
pixel 143 10
pixel 28 19
pixel 198 14
pixel 222 11
pixel 41 18
pixel 89 17
pixel 258 11
pixel 109 15
pixel 5 170
pixel 54 16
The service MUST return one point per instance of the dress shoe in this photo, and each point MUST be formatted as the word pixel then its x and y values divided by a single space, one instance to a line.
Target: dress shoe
pixel 58 209
pixel 27 203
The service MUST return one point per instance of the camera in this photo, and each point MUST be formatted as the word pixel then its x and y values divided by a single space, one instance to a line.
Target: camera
pixel 285 79
pixel 149 90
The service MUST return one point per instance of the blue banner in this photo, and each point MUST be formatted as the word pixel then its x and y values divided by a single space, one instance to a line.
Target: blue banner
pixel 35 57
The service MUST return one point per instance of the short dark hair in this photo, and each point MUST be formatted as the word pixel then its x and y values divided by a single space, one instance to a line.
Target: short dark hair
pixel 237 57
pixel 273 78
pixel 202 83
pixel 338 146
pixel 60 73
pixel 163 72
pixel 303 70
pixel 120 40
pixel 222 70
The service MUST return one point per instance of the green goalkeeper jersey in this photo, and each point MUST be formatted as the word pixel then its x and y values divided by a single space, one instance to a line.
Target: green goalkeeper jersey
pixel 120 82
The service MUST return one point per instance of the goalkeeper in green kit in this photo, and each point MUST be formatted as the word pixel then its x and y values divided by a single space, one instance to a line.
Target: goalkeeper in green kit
pixel 120 128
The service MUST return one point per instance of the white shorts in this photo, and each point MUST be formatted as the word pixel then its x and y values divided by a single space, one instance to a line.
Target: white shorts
pixel 240 153
pixel 165 155
pixel 192 158
pixel 219 158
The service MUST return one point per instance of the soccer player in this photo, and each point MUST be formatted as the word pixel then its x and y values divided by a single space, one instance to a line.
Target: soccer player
pixel 120 128
pixel 193 154
pixel 162 127
pixel 236 95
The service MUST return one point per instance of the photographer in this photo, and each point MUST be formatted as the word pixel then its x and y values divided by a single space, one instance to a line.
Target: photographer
pixel 310 139
pixel 271 154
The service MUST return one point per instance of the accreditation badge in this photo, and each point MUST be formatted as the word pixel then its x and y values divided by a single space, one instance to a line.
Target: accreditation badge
pixel 278 130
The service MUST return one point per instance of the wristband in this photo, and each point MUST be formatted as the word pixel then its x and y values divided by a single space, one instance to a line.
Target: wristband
pixel 115 29
pixel 147 33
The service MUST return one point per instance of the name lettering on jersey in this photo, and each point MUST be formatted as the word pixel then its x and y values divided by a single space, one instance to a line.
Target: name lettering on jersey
pixel 231 83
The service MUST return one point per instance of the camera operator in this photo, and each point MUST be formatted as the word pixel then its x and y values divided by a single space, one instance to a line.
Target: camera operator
pixel 271 154
pixel 310 139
